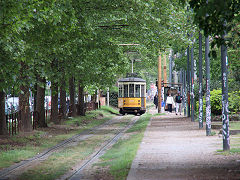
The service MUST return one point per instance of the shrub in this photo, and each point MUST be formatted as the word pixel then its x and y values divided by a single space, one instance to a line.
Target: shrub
pixel 234 101
pixel 216 102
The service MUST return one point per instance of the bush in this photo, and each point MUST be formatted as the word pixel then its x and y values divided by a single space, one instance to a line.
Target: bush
pixel 234 101
pixel 216 102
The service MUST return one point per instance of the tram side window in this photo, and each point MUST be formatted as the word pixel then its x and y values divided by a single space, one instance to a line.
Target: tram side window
pixel 125 90
pixel 131 90
pixel 142 91
pixel 137 90
pixel 120 92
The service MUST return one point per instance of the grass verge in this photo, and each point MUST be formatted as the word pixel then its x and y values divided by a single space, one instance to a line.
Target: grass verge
pixel 61 162
pixel 234 125
pixel 119 158
pixel 231 151
pixel 20 147
pixel 159 114
pixel 234 146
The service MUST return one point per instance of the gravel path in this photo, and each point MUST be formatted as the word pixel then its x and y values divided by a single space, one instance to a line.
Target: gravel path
pixel 174 148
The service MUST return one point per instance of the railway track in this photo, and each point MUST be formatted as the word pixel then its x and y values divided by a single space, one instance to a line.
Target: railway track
pixel 10 172
pixel 7 172
pixel 76 174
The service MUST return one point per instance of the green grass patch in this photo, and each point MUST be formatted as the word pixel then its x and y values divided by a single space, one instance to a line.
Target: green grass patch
pixel 61 162
pixel 141 124
pixel 19 147
pixel 234 146
pixel 234 125
pixel 159 114
pixel 119 158
pixel 110 109
pixel 231 151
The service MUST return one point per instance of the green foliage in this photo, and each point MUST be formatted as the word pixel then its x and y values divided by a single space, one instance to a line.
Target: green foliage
pixel 234 125
pixel 141 124
pixel 216 17
pixel 112 110
pixel 216 102
pixel 234 101
pixel 119 158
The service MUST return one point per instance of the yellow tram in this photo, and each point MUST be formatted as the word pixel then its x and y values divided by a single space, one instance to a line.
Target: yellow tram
pixel 132 95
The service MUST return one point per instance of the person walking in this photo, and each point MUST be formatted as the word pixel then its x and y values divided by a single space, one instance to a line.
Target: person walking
pixel 155 100
pixel 170 103
pixel 178 103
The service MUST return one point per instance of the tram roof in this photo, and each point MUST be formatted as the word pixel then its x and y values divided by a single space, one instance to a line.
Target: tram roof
pixel 131 79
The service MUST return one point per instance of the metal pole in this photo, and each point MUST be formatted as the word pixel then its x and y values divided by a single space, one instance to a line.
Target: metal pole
pixel 200 84
pixel 159 83
pixel 225 118
pixel 208 102
pixel 165 70
pixel 188 82
pixel 184 92
pixel 192 85
pixel 132 65
pixel 108 96
pixel 180 80
pixel 170 69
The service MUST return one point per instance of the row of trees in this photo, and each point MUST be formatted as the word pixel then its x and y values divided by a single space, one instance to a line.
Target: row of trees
pixel 220 21
pixel 76 43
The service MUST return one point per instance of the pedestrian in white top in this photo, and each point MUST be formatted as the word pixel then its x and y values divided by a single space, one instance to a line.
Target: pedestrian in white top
pixel 170 102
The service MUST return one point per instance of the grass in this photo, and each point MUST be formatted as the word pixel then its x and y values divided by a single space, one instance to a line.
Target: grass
pixel 231 151
pixel 213 133
pixel 61 162
pixel 234 146
pixel 159 114
pixel 110 109
pixel 119 158
pixel 234 125
pixel 19 147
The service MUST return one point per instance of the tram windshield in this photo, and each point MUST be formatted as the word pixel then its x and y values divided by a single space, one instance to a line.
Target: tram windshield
pixel 143 91
pixel 137 90
pixel 126 90
pixel 131 90
pixel 120 92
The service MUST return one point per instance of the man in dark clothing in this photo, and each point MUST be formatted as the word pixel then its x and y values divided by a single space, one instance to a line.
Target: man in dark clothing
pixel 155 101
pixel 178 104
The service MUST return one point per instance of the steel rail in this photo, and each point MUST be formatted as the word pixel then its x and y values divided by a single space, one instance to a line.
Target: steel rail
pixel 76 175
pixel 7 171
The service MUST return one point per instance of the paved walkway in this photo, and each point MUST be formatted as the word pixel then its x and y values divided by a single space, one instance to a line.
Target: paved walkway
pixel 174 148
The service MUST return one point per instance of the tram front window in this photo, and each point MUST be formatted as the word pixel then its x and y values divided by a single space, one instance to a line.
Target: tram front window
pixel 131 90
pixel 142 91
pixel 125 90
pixel 120 93
pixel 137 90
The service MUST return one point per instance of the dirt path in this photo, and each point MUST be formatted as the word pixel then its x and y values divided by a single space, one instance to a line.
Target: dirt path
pixel 174 148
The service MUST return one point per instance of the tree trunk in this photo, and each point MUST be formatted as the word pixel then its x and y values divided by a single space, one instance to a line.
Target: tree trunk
pixel 40 103
pixel 25 124
pixel 72 107
pixel 3 123
pixel 80 111
pixel 54 103
pixel 35 117
pixel 63 107
pixel 25 119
